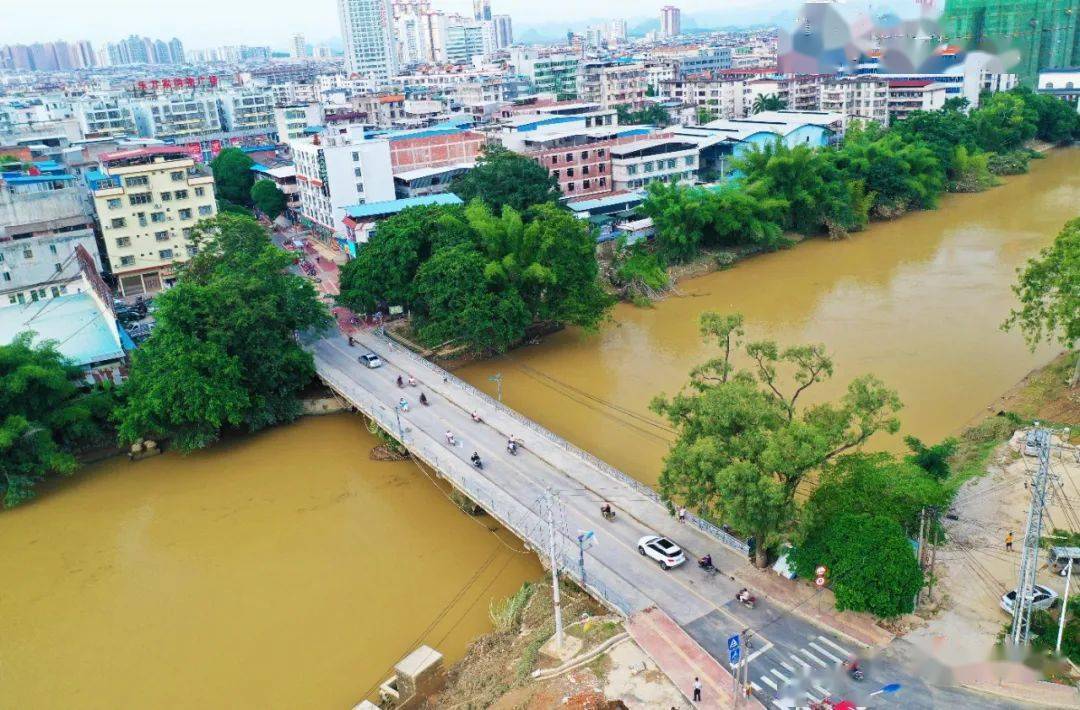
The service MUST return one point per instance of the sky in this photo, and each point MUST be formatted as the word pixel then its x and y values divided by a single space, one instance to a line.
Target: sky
pixel 208 23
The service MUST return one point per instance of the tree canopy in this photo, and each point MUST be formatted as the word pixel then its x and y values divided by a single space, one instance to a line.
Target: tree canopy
pixel 767 102
pixel 503 178
pixel 1003 122
pixel 224 353
pixel 1048 289
pixel 268 198
pixel 744 442
pixel 44 416
pixel 652 115
pixel 232 175
pixel 898 173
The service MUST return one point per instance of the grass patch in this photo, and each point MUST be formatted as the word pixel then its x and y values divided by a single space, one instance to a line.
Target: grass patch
pixel 975 446
pixel 600 666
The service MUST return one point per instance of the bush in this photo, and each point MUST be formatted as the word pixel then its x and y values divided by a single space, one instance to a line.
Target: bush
pixel 1014 162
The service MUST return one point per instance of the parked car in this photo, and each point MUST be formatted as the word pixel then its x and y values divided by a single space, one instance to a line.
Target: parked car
pixel 664 551
pixel 1043 598
pixel 370 360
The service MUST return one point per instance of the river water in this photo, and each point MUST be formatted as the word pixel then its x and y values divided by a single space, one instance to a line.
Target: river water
pixel 288 570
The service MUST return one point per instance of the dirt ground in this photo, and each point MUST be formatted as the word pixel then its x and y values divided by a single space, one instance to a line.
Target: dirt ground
pixel 975 569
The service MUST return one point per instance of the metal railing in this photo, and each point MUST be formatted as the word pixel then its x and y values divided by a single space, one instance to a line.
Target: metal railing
pixel 703 525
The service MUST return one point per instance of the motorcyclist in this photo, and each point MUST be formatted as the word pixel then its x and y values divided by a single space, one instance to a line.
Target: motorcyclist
pixel 412 381
pixel 423 398
pixel 450 437
pixel 705 562
pixel 475 458
pixel 605 510
pixel 400 382
pixel 743 595
pixel 476 416
pixel 511 446
pixel 403 404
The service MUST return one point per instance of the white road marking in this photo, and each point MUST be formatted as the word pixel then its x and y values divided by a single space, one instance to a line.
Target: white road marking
pixel 813 658
pixel 841 649
pixel 819 689
pixel 756 653
pixel 785 665
pixel 801 662
pixel 825 653
pixel 755 686
pixel 769 682
pixel 779 675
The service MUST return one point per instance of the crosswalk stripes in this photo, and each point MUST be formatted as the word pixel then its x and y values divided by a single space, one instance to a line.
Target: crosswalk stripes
pixel 819 653
pixel 825 653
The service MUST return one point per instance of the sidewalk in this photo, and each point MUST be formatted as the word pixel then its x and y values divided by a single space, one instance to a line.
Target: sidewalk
pixel 682 659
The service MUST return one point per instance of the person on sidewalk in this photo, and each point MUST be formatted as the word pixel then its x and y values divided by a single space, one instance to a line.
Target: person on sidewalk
pixel 1009 542
pixel 682 515
pixel 697 689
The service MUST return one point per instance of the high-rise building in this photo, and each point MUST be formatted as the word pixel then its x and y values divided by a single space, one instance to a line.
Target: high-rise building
pixel 176 51
pixel 368 33
pixel 85 53
pixel 410 38
pixel 481 10
pixel 670 21
pixel 433 27
pixel 1045 32
pixel 43 57
pixel 299 46
pixel 161 52
pixel 616 32
pixel 504 31
pixel 466 39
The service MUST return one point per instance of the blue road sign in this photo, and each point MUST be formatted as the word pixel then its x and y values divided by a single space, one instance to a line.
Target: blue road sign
pixel 734 649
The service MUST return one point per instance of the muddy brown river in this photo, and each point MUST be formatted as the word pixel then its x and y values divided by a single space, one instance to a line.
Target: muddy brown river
pixel 288 570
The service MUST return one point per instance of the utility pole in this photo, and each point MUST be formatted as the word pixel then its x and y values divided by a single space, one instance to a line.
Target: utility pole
pixel 554 568
pixel 497 379
pixel 919 551
pixel 933 553
pixel 1029 560
pixel 1064 610
pixel 583 537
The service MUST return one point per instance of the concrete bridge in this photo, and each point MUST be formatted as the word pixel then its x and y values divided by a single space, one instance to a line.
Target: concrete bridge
pixel 552 476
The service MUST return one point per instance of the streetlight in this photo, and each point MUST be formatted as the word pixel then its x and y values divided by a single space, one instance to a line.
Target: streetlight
pixel 497 379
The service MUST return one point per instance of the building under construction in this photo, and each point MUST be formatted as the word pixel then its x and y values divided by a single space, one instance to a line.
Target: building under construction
pixel 1044 32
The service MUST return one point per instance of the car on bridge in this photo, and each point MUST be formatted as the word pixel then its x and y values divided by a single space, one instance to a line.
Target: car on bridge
pixel 664 551
pixel 370 360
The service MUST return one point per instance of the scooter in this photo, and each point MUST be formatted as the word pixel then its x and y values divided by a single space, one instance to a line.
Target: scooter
pixel 853 670
pixel 608 514
pixel 477 462
pixel 512 448
pixel 423 399
pixel 748 601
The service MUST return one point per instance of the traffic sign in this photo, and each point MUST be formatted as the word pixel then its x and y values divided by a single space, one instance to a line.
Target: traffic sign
pixel 888 689
pixel 820 581
pixel 820 571
pixel 734 649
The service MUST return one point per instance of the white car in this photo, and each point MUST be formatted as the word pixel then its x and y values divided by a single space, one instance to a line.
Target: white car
pixel 664 551
pixel 1043 598
pixel 370 360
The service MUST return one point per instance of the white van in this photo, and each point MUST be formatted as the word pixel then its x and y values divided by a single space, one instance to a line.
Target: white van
pixel 1062 557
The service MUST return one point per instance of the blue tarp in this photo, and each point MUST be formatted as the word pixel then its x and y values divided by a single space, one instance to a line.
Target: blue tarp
pixel 389 207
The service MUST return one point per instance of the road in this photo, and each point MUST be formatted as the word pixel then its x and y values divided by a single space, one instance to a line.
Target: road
pixel 791 659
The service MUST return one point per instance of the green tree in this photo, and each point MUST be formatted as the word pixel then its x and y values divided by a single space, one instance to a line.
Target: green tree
pixel 266 196
pixel 933 459
pixel 503 178
pixel 653 114
pixel 224 352
pixel 1056 121
pixel 899 173
pixel 872 567
pixel 680 218
pixel 970 171
pixel 1048 289
pixel 44 417
pixel 768 102
pixel 232 175
pixel 746 431
pixel 704 115
pixel 942 131
pixel 1004 122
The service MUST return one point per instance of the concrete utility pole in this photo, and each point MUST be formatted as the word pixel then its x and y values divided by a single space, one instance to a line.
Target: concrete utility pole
pixel 554 568
pixel 919 551
pixel 497 379
pixel 1064 610
pixel 1029 560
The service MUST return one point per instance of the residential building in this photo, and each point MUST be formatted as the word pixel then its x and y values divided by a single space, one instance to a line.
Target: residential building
pixel 858 98
pixel 466 39
pixel 433 26
pixel 703 61
pixel 552 73
pixel 616 32
pixel 1045 33
pixel 283 174
pixel 612 83
pixel 411 46
pixel 1062 83
pixel 368 33
pixel 338 169
pixel 481 10
pixel 670 21
pixel 43 220
pixel 580 159
pixel 362 220
pixel 504 31
pixel 105 117
pixel 711 97
pixel 380 110
pixel 147 201
pixel 295 121
pixel 636 164
pixel 299 46
pixel 907 95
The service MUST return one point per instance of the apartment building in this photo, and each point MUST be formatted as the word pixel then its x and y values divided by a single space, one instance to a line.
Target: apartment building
pixel 147 201
pixel 908 95
pixel 612 83
pixel 799 92
pixel 247 110
pixel 105 117
pixel 712 98
pixel 293 121
pixel 580 160
pixel 548 73
pixel 338 169
pixel 634 165
pixel 1061 83
pixel 858 98
pixel 43 220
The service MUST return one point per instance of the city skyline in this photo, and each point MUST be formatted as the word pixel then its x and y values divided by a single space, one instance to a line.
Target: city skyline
pixel 255 23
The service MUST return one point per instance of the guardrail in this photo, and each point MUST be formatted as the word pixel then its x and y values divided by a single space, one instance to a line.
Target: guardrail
pixel 492 499
pixel 701 524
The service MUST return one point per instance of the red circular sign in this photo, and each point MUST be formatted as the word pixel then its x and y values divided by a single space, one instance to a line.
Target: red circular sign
pixel 820 581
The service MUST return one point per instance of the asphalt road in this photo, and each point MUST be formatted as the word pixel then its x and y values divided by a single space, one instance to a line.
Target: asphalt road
pixel 791 659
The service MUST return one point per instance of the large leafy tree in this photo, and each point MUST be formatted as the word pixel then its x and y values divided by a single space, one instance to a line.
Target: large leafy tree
pixel 900 173
pixel 44 416
pixel 942 131
pixel 503 178
pixel 1048 289
pixel 767 102
pixel 745 443
pixel 680 218
pixel 871 564
pixel 1056 121
pixel 224 353
pixel 268 198
pixel 1003 123
pixel 653 115
pixel 232 176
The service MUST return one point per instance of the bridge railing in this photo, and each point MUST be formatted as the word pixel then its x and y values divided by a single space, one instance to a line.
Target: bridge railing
pixel 701 524
pixel 511 514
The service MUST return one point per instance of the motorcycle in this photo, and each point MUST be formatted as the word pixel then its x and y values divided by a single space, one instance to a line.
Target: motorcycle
pixel 511 447
pixel 747 600
pixel 608 514
pixel 477 462
pixel 854 670
pixel 423 399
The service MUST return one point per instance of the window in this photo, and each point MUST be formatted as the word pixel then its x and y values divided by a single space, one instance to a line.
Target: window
pixel 555 174
pixel 181 194
pixel 599 152
pixel 127 261
pixel 7 277
pixel 139 198
pixel 142 219
pixel 191 250
pixel 59 268
pixel 205 210
pixel 584 169
pixel 569 187
pixel 28 253
pixel 157 216
pixel 162 236
pixel 177 175
pixel 52 248
pixel 137 181
pixel 601 168
pixel 358 172
pixel 200 191
pixel 584 154
pixel 584 184
pixel 569 157
pixel 185 214
pixel 603 182
pixel 569 172
pixel 123 241
pixel 165 254
pixel 114 203
pixel 166 196
pixel 671 163
pixel 690 158
pixel 554 160
pixel 631 170
pixel 186 232
pixel 356 157
pixel 360 187
pixel 648 166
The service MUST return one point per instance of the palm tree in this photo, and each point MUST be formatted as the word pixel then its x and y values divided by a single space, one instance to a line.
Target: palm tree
pixel 768 102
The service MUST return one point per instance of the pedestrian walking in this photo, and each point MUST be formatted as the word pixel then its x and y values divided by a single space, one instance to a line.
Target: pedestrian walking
pixel 1009 542
pixel 682 515
pixel 697 689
